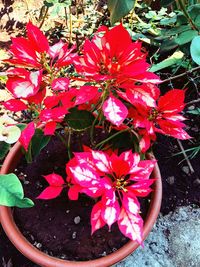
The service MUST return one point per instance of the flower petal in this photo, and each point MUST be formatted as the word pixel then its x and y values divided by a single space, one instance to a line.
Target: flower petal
pixel 15 105
pixel 115 111
pixel 96 220
pixel 131 225
pixel 26 135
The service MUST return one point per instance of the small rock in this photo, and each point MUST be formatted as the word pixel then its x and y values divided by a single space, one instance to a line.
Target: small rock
pixel 32 237
pixel 74 235
pixel 54 237
pixel 197 181
pixel 170 180
pixel 67 211
pixel 63 256
pixel 39 245
pixel 77 220
pixel 186 169
pixel 103 254
pixel 191 107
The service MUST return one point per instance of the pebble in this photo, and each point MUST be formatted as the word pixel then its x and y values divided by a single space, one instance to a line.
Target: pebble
pixel 170 180
pixel 39 245
pixel 67 211
pixel 74 235
pixel 197 181
pixel 186 169
pixel 63 256
pixel 103 254
pixel 191 107
pixel 32 237
pixel 77 220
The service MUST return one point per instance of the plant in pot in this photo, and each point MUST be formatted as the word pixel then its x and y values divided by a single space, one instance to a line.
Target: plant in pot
pixel 99 109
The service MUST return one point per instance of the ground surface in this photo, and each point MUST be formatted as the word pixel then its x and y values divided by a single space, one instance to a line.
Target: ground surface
pixel 174 242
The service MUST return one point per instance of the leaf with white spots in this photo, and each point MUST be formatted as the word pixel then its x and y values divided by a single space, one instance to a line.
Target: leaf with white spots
pixel 101 160
pixel 131 158
pixel 114 110
pixel 85 176
pixel 60 84
pixel 96 220
pixel 131 225
pixel 131 204
pixel 145 168
pixel 110 213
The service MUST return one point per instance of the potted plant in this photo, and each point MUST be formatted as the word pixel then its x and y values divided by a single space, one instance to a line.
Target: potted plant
pixel 104 98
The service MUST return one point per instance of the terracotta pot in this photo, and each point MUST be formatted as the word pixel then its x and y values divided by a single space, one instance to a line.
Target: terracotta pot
pixel 42 259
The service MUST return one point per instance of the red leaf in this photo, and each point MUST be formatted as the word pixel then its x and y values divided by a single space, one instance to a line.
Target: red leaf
pixel 26 135
pixel 50 192
pixel 131 225
pixel 172 101
pixel 54 179
pixel 50 128
pixel 60 84
pixel 96 220
pixel 37 39
pixel 85 175
pixel 15 105
pixel 114 110
pixel 85 94
pixel 110 209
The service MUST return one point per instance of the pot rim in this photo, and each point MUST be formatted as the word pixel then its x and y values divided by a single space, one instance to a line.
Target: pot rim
pixel 44 260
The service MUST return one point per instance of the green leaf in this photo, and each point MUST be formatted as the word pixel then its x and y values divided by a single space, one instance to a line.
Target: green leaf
pixel 195 49
pixel 21 126
pixel 173 59
pixel 168 45
pixel 168 21
pixel 4 148
pixel 166 2
pixel 11 192
pixel 176 30
pixel 79 119
pixel 119 8
pixel 196 111
pixel 186 37
pixel 38 142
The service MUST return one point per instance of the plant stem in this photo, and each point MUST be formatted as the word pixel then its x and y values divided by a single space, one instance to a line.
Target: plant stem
pixel 44 17
pixel 69 145
pixel 111 137
pixel 193 102
pixel 180 75
pixel 187 15
pixel 70 25
pixel 185 156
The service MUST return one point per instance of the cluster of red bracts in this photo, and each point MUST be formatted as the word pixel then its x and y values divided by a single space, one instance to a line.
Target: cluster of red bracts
pixel 121 88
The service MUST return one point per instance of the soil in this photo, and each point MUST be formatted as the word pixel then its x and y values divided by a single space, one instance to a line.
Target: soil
pixel 61 227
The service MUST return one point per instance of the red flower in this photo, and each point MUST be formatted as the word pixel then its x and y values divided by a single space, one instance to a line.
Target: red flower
pixel 114 56
pixel 23 83
pixel 165 118
pixel 118 180
pixel 28 51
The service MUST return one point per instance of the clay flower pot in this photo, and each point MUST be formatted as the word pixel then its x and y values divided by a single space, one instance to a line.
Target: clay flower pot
pixel 42 259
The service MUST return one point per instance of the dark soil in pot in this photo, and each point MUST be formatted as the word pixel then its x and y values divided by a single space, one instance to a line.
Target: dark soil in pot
pixel 61 227
pixel 179 188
